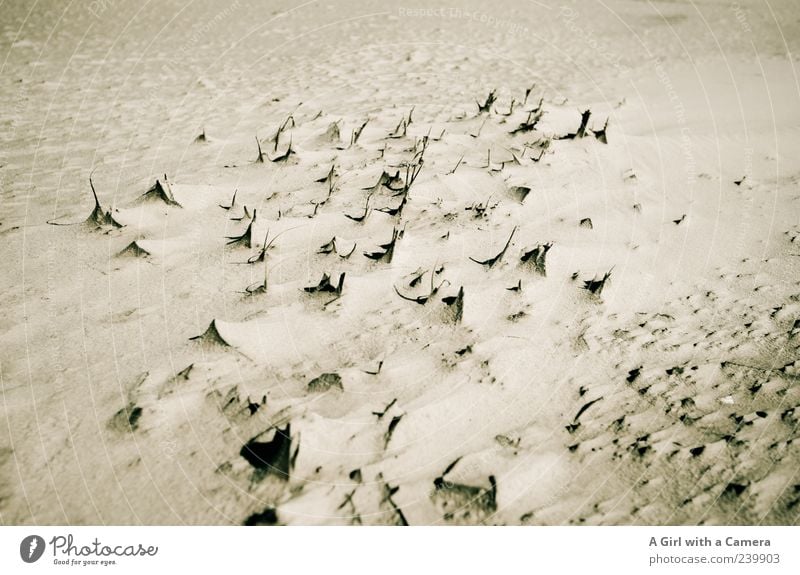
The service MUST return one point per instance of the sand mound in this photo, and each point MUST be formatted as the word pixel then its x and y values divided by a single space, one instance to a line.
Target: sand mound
pixel 134 249
pixel 160 193
pixel 211 337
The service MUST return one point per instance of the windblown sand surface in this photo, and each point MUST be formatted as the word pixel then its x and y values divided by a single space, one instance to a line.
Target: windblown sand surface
pixel 401 316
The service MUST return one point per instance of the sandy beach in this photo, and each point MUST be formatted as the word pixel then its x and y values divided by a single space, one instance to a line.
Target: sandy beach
pixel 350 263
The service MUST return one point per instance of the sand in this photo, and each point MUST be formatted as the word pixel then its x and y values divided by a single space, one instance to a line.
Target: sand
pixel 339 347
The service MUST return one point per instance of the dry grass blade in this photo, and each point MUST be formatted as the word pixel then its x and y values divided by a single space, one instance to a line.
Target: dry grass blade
pixel 595 286
pixel 395 183
pixel 245 215
pixel 387 180
pixel 542 145
pixel 400 130
pixel 388 491
pixel 487 104
pixel 387 437
pixel 510 108
pixel 478 133
pixel 582 129
pixel 517 159
pixel 261 255
pixel 421 300
pixel 455 305
pixel 425 298
pixel 232 202
pixel 537 257
pixel 254 289
pixel 333 247
pixel 489 165
pixel 354 136
pixel 325 285
pixel 387 250
pixel 284 156
pixel 453 171
pixel 160 192
pixel 357 133
pixel 380 414
pixel 328 178
pixel 347 255
pixel 528 93
pixel 328 247
pixel 260 157
pixel 435 138
pixel 283 127
pixel 246 238
pixel 601 134
pixel 482 209
pixel 493 260
pixel 533 119
pixel 98 218
pixel 396 210
pixel 362 217
pixel 416 277
pixel 586 406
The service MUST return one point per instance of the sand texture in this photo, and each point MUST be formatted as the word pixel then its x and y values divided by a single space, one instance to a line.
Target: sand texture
pixel 352 263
